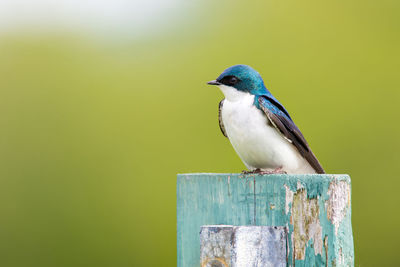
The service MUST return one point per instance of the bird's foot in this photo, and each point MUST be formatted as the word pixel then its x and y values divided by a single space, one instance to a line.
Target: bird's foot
pixel 266 171
pixel 278 170
pixel 256 171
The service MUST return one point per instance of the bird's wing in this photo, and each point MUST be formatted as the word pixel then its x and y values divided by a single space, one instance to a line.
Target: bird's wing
pixel 221 124
pixel 280 119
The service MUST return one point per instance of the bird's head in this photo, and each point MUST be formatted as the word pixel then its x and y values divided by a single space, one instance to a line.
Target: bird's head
pixel 240 78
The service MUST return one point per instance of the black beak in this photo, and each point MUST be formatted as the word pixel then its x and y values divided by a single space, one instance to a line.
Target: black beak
pixel 214 82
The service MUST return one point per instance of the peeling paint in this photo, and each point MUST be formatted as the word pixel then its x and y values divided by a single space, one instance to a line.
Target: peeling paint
pixel 339 200
pixel 299 185
pixel 306 224
pixel 326 250
pixel 340 260
pixel 289 198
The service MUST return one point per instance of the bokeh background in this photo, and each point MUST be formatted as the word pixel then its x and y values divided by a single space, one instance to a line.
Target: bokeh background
pixel 102 103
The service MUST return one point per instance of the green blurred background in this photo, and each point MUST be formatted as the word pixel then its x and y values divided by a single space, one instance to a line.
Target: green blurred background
pixel 102 103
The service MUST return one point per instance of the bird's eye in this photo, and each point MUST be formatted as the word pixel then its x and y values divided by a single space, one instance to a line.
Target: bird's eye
pixel 233 80
pixel 229 80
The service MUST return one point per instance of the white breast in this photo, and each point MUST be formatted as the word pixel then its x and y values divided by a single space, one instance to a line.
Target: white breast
pixel 254 139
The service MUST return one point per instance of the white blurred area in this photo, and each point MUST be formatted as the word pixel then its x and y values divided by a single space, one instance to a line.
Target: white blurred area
pixel 136 17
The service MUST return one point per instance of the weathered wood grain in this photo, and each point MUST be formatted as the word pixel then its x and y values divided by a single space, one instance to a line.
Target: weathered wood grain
pixel 315 209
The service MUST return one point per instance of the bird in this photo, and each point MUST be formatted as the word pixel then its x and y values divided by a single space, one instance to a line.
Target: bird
pixel 259 127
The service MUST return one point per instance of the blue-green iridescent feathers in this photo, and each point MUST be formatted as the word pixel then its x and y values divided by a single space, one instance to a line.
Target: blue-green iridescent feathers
pixel 252 82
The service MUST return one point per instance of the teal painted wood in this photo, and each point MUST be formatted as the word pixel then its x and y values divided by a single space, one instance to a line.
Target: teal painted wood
pixel 315 208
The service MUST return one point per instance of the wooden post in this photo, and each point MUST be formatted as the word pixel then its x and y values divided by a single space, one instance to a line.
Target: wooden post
pixel 315 210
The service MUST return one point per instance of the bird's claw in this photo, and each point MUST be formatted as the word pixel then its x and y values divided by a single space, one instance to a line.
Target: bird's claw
pixel 261 172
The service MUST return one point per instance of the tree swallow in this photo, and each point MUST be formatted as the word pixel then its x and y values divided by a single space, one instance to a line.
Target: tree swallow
pixel 259 128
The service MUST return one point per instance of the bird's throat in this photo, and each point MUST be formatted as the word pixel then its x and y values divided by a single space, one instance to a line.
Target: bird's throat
pixel 232 94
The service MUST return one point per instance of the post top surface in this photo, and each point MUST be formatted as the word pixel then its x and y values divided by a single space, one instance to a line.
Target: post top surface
pixel 298 177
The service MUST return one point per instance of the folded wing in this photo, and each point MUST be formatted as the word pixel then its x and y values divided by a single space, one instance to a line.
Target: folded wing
pixel 281 120
pixel 221 124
